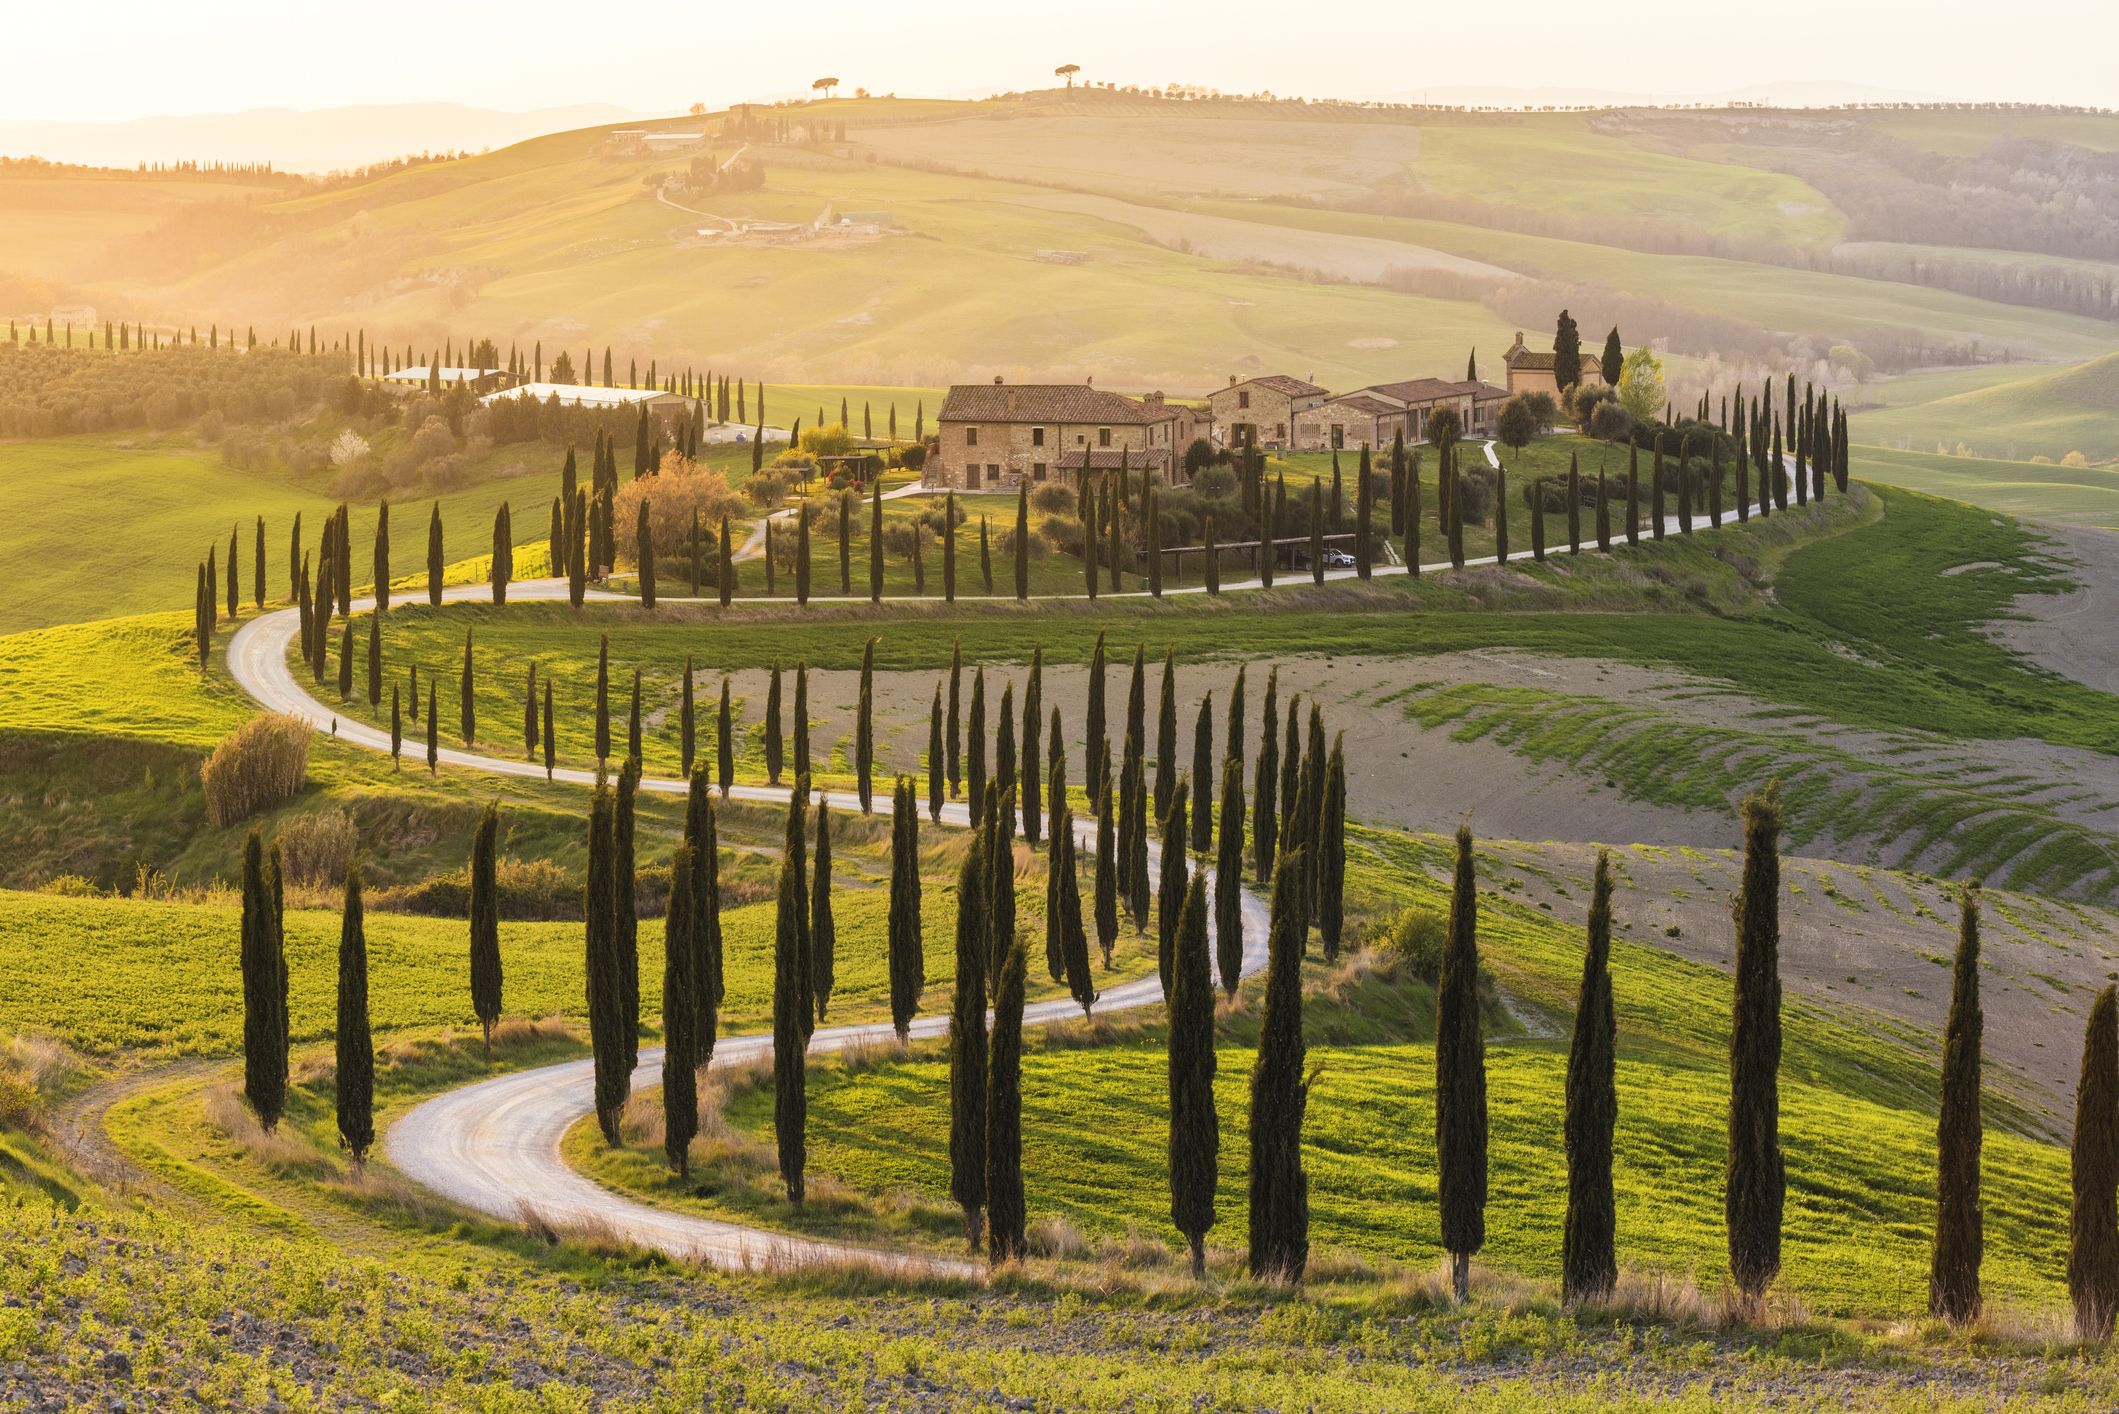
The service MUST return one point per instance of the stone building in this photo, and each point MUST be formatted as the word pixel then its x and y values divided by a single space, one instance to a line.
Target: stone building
pixel 1263 410
pixel 993 436
pixel 1530 372
pixel 1346 423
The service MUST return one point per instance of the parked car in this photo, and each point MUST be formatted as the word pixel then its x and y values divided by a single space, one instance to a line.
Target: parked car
pixel 1338 560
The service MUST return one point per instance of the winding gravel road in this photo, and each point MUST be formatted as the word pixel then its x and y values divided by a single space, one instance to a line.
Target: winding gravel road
pixel 494 1146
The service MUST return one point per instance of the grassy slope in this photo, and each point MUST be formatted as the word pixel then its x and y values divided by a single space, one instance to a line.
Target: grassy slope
pixel 2049 414
pixel 2069 495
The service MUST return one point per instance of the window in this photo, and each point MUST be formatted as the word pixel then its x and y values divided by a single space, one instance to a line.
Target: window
pixel 1037 436
pixel 1243 400
pixel 971 436
pixel 1103 436
pixel 1338 437
pixel 1037 471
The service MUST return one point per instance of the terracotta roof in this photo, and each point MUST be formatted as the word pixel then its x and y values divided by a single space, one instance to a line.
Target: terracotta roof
pixel 1045 402
pixel 1279 383
pixel 1412 390
pixel 1524 358
pixel 1480 390
pixel 1362 403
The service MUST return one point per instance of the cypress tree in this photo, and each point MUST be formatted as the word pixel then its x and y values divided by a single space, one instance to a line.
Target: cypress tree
pixel 771 560
pixel 708 983
pixel 2093 1226
pixel 436 566
pixel 1953 1271
pixel 801 725
pixel 790 1032
pixel 1022 540
pixel 257 565
pixel 1756 1178
pixel 605 990
pixel 975 745
pixel 1195 1130
pixel 823 932
pixel 1574 504
pixel 1004 1117
pixel 773 748
pixel 1228 878
pixel 551 742
pixel 625 911
pixel 1166 735
pixel 433 732
pixel 1235 721
pixel 1310 811
pixel 1460 1079
pixel 845 500
pixel 644 553
pixel 1330 902
pixel 1170 893
pixel 1279 1188
pixel 397 729
pixel 375 660
pixel 1000 885
pixel 794 847
pixel 1316 533
pixel 632 725
pixel 865 730
pixel 949 523
pixel 1106 878
pixel 345 661
pixel 1537 519
pixel 725 568
pixel 725 741
pixel 875 543
pixel 1603 514
pixel 1133 839
pixel 1096 739
pixel 951 735
pixel 466 713
pixel 1364 511
pixel 935 757
pixel 485 923
pixel 1633 494
pixel 263 967
pixel 986 552
pixel 502 568
pixel 687 722
pixel 1033 709
pixel 1500 515
pixel 603 699
pixel 967 1044
pixel 1589 1264
pixel 355 1070
pixel 908 965
pixel 1265 818
pixel 1202 803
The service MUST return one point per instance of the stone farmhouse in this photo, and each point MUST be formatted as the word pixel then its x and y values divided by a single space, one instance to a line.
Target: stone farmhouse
pixel 1530 372
pixel 1261 410
pixel 996 436
pixel 1383 411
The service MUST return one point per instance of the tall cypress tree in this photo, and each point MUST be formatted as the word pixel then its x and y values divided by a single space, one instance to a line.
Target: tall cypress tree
pixel 975 745
pixel 801 725
pixel 802 556
pixel 1096 737
pixel 773 748
pixel 263 967
pixel 864 750
pixel 952 735
pixel 1106 877
pixel 502 567
pixel 529 715
pixel 967 1045
pixel 724 741
pixel 1170 893
pixel 632 724
pixel 846 504
pixel 908 964
pixel 790 1032
pixel 1329 903
pixel 485 922
pixel 1166 735
pixel 1000 885
pixel 397 729
pixel 1279 1188
pixel 1004 773
pixel 1589 1264
pixel 603 699
pixel 551 742
pixel 625 912
pixel 467 716
pixel 875 543
pixel 936 757
pixel 1265 817
pixel 1960 1240
pixel 725 568
pixel 794 848
pixel 1195 1130
pixel 1033 716
pixel 1202 803
pixel 1756 1178
pixel 1073 936
pixel 1004 1116
pixel 257 565
pixel 949 525
pixel 605 989
pixel 1460 1079
pixel 355 1069
pixel 687 722
pixel 708 983
pixel 1228 878
pixel 2093 1225
pixel 823 932
pixel 1022 540
pixel 375 660
pixel 433 732
pixel 345 661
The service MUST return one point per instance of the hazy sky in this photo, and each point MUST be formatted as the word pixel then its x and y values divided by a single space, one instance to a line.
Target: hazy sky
pixel 104 60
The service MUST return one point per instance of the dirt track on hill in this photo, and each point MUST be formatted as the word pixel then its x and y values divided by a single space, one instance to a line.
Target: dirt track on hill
pixel 2075 634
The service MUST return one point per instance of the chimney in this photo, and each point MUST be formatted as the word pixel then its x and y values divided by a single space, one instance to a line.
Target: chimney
pixel 1232 380
pixel 997 377
pixel 1011 402
pixel 1090 380
pixel 1153 401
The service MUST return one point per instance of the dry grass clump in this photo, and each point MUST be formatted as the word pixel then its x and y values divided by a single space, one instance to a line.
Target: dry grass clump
pixel 1057 1238
pixel 262 763
pixel 32 1068
pixel 317 849
pixel 281 1151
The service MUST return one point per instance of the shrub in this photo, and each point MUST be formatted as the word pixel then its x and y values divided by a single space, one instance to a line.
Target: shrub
pixel 1610 421
pixel 766 490
pixel 1414 937
pixel 434 439
pixel 259 765
pixel 832 441
pixel 913 458
pixel 1051 499
pixel 1475 493
pixel 318 849
pixel 682 487
pixel 1062 534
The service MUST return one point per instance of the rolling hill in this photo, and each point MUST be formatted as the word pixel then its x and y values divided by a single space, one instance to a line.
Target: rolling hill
pixel 2047 414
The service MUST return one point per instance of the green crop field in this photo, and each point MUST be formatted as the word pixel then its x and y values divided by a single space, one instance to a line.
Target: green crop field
pixel 2050 414
pixel 2069 495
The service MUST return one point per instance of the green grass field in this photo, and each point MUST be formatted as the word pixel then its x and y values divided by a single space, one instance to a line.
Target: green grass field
pixel 2068 495
pixel 2049 413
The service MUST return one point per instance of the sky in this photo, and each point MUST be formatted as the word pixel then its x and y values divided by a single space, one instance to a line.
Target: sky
pixel 115 60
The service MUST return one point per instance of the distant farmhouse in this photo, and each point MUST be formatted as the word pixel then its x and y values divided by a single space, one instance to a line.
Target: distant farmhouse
pixel 1532 372
pixel 582 395
pixel 1383 411
pixel 994 436
pixel 1260 410
pixel 413 379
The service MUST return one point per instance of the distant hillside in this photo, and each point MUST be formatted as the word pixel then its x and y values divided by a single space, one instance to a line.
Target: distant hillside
pixel 319 140
pixel 2049 414
pixel 1141 240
